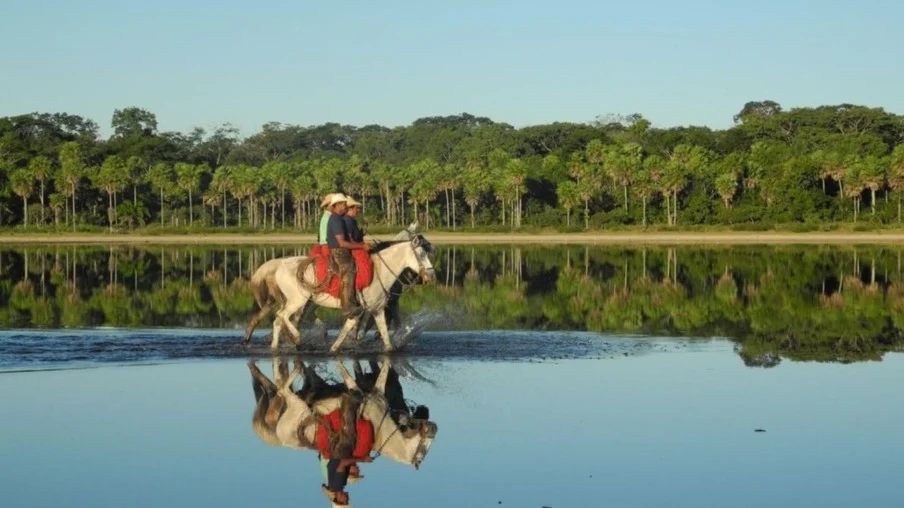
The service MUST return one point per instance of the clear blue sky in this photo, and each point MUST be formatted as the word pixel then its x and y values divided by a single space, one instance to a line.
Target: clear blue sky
pixel 199 63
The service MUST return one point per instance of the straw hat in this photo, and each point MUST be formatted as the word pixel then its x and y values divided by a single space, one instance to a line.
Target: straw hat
pixel 325 202
pixel 338 197
pixel 352 202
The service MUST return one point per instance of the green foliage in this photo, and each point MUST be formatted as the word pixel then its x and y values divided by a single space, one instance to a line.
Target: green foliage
pixel 780 165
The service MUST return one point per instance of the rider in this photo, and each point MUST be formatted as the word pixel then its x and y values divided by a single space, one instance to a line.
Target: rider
pixel 324 205
pixel 340 253
pixel 355 234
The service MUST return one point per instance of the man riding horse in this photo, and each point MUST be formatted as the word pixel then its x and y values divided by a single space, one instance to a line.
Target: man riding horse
pixel 341 246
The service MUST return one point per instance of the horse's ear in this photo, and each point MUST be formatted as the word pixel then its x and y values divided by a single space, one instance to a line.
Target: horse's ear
pixel 413 227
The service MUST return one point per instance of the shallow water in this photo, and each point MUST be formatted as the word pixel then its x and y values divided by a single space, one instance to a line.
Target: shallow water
pixel 576 376
pixel 672 427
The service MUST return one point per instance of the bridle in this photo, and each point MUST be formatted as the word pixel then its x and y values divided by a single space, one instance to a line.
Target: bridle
pixel 421 431
pixel 422 270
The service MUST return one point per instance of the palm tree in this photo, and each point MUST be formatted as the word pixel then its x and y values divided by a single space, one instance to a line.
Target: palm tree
pixel 41 169
pixel 112 176
pixel 23 183
pixel 188 178
pixel 515 173
pixel 896 174
pixel 567 194
pixel 621 162
pixel 872 175
pixel 220 184
pixel 726 186
pixel 72 169
pixel 855 183
pixel 57 203
pixel 161 178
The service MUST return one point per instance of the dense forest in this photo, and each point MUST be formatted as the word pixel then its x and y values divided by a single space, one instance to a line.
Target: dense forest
pixel 811 166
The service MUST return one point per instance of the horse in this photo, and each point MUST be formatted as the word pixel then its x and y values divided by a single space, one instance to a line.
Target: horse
pixel 267 294
pixel 284 417
pixel 295 280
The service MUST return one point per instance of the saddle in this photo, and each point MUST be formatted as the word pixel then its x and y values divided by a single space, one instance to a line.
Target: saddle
pixel 322 269
pixel 364 431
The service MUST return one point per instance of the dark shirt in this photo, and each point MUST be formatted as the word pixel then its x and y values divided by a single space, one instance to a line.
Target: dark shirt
pixel 335 226
pixel 335 480
pixel 351 228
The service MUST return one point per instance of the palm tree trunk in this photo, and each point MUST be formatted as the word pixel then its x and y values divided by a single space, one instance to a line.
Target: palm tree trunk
pixel 644 210
pixel 225 209
pixel 899 208
pixel 586 214
pixel 873 201
pixel 25 209
pixel 448 214
pixel 668 209
pixel 42 203
pixel 626 197
pixel 453 209
pixel 110 212
pixel 191 218
pixel 675 199
pixel 472 204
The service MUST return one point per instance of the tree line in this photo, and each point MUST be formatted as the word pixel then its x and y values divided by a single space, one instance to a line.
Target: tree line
pixel 827 164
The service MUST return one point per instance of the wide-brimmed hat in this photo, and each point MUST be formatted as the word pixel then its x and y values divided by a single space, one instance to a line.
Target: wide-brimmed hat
pixel 338 198
pixel 332 496
pixel 325 202
pixel 352 202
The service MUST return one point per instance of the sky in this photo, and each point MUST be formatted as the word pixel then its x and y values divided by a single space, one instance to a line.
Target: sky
pixel 358 62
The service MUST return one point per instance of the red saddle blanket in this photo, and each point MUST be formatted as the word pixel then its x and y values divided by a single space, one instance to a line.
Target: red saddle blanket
pixel 363 263
pixel 363 428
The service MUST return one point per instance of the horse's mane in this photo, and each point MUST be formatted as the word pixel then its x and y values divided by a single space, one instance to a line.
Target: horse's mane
pixel 385 244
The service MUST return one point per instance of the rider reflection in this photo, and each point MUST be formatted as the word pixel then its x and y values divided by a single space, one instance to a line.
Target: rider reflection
pixel 343 422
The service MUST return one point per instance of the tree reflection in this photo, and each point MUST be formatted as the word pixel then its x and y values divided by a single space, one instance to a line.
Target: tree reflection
pixel 800 303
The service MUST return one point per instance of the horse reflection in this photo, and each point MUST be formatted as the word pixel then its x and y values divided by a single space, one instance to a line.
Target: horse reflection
pixel 344 421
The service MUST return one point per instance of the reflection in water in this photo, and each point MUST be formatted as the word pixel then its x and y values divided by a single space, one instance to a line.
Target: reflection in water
pixel 809 303
pixel 343 422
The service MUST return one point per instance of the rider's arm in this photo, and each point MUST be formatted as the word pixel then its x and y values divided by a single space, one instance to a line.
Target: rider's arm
pixel 345 244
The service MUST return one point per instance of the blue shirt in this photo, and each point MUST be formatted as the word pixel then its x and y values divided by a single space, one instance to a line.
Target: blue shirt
pixel 336 480
pixel 335 226
pixel 351 228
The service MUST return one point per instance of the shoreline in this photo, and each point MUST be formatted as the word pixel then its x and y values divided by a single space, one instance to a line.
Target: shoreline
pixel 614 238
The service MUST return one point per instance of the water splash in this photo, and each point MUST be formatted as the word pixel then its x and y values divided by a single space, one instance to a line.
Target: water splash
pixel 411 329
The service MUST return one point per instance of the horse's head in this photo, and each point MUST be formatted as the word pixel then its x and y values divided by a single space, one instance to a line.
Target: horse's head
pixel 421 253
pixel 422 432
pixel 407 441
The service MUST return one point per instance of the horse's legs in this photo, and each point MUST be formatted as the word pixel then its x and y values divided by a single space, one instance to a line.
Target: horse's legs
pixel 293 304
pixel 343 333
pixel 349 380
pixel 380 318
pixel 380 384
pixel 255 319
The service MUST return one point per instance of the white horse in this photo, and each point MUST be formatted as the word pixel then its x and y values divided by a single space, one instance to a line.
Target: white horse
pixel 295 281
pixel 283 418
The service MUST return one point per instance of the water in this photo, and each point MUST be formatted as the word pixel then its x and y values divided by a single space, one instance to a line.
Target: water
pixel 556 377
